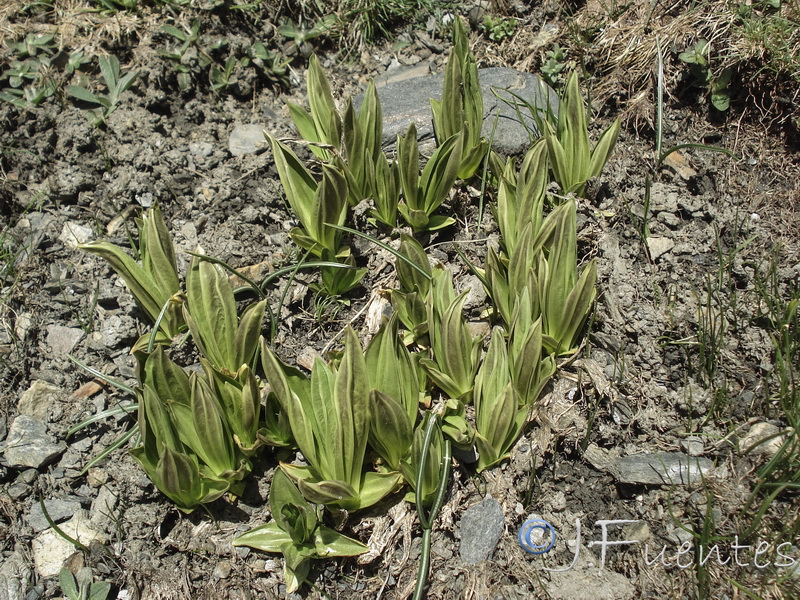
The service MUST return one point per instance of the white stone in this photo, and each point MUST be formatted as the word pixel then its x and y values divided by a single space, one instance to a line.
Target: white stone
pixel 50 550
pixel 74 234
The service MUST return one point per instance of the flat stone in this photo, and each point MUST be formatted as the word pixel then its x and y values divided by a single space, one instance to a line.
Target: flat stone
pixel 247 139
pixel 481 527
pixel 763 439
pixel 662 468
pixel 50 550
pixel 38 399
pixel 58 510
pixel 19 490
pixel 63 339
pixel 74 234
pixel 15 576
pixel 658 246
pixel 408 100
pixel 29 444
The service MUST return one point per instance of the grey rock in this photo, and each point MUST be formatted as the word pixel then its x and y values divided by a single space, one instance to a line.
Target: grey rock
pixel 59 510
pixel 408 100
pixel 662 468
pixel 247 139
pixel 481 528
pixel 476 294
pixel 15 575
pixel 102 511
pixel 63 339
pixel 19 490
pixel 38 399
pixel 74 234
pixel 658 246
pixel 29 444
pixel 693 446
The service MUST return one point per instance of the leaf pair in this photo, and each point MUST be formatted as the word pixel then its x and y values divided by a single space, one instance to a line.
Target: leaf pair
pixel 329 415
pixel 296 532
pixel 116 84
pixel 316 205
pixel 564 298
pixel 571 159
pixel 322 125
pixel 225 340
pixel 409 300
pixel 154 282
pixel 395 393
pixel 455 352
pixel 520 197
pixel 423 194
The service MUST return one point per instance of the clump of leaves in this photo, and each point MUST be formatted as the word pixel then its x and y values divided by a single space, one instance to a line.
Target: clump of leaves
pixel 329 414
pixel 572 159
pixel 554 65
pixel 499 28
pixel 296 531
pixel 424 193
pixel 717 86
pixel 82 586
pixel 460 110
pixel 29 78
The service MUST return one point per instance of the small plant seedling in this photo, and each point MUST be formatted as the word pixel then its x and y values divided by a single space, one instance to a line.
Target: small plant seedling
pixel 499 28
pixel 554 64
pixel 116 85
pixel 296 531
pixel 81 586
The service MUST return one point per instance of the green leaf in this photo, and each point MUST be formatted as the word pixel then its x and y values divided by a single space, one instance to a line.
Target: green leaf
pixel 391 431
pixel 178 477
pixel 376 486
pixel 603 149
pixel 67 583
pixel 141 284
pixel 267 538
pixel 390 369
pixel 330 492
pixel 245 343
pixel 351 399
pixel 289 396
pixel 85 95
pixel 296 566
pixel 158 251
pixel 329 542
pixel 323 109
pixel 298 183
pixel 408 165
pixel 109 67
pixel 215 448
pixel 412 279
pixel 439 175
pixel 210 313
pixel 99 590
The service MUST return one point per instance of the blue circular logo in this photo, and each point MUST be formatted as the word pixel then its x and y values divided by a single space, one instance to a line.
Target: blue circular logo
pixel 536 547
